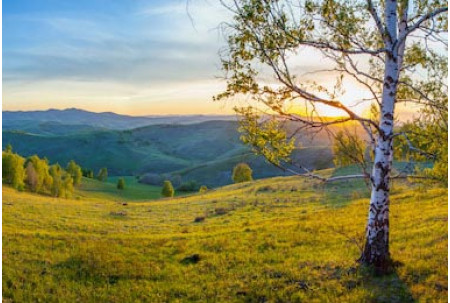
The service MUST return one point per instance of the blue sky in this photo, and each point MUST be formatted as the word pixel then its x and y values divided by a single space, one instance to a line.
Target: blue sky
pixel 135 57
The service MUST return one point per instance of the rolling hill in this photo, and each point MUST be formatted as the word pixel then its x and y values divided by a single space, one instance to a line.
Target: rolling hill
pixel 34 121
pixel 283 239
pixel 204 152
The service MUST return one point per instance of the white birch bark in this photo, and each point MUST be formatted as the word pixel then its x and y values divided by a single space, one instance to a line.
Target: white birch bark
pixel 376 248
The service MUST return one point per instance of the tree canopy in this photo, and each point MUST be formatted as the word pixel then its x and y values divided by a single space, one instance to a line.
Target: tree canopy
pixel 13 171
pixel 74 170
pixel 102 174
pixel 167 189
pixel 396 51
pixel 242 173
pixel 121 183
pixel 35 174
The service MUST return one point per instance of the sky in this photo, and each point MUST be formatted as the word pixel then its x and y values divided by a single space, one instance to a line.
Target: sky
pixel 135 57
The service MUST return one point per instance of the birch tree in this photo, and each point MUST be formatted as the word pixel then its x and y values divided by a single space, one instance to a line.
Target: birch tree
pixel 394 49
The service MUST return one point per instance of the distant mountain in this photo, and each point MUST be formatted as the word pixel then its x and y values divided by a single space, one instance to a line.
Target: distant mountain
pixel 48 127
pixel 31 121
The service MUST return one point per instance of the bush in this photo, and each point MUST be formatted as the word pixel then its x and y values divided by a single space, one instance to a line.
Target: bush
pixel 167 190
pixel 121 183
pixel 203 189
pixel 74 170
pixel 242 173
pixel 102 174
pixel 13 171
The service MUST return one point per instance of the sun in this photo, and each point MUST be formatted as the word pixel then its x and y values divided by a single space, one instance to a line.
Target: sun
pixel 355 98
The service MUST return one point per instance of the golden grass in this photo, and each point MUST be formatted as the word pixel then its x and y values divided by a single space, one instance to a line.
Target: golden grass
pixel 273 240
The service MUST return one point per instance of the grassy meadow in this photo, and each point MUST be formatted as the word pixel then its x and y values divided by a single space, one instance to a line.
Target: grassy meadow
pixel 92 188
pixel 282 239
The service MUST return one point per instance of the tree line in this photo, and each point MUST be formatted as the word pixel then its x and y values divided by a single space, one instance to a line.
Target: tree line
pixel 37 175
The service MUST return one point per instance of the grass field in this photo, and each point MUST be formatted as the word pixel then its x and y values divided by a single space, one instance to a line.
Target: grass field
pixel 283 239
pixel 92 188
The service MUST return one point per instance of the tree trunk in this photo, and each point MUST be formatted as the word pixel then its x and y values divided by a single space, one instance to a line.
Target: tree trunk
pixel 376 248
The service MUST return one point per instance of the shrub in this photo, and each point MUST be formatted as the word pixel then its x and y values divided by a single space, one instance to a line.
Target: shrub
pixel 74 170
pixel 167 190
pixel 103 174
pixel 37 174
pixel 13 171
pixel 121 183
pixel 242 173
pixel 203 189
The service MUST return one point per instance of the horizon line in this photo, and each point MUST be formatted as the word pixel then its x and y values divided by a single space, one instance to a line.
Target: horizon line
pixel 111 112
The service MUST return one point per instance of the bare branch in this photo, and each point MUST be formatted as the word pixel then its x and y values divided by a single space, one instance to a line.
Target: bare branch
pixel 376 18
pixel 423 19
pixel 415 149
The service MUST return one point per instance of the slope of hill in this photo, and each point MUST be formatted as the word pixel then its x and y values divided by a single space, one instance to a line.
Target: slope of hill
pixel 275 240
pixel 48 127
pixel 134 191
pixel 205 152
pixel 218 172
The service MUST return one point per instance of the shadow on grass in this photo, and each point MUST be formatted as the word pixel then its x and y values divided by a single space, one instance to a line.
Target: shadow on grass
pixel 342 193
pixel 356 282
pixel 384 289
pixel 88 268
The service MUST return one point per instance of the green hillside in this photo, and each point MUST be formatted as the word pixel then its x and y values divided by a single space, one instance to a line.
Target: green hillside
pixel 218 172
pixel 92 188
pixel 47 128
pixel 205 152
pixel 283 239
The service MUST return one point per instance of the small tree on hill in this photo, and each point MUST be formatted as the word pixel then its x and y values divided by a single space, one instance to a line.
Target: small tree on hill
pixel 56 174
pixel 242 173
pixel 103 174
pixel 121 183
pixel 13 171
pixel 167 190
pixel 66 186
pixel 88 173
pixel 75 172
pixel 31 177
pixel 8 148
pixel 41 169
pixel 203 189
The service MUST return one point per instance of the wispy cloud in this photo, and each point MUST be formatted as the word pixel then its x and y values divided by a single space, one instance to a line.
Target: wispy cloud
pixel 87 52
pixel 164 9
